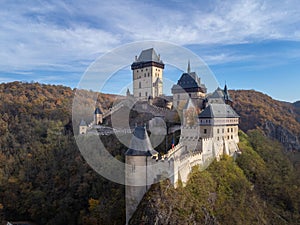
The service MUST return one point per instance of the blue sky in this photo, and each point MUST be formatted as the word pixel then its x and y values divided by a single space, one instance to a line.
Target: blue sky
pixel 249 44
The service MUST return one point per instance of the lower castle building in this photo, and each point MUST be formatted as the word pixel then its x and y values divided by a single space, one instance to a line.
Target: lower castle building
pixel 212 133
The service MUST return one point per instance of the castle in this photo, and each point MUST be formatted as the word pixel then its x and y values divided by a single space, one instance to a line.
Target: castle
pixel 209 127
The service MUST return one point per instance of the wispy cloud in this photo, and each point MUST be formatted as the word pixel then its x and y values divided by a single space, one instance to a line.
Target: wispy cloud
pixel 65 36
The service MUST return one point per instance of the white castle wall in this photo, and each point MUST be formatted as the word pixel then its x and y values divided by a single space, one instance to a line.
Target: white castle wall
pixel 176 164
pixel 135 174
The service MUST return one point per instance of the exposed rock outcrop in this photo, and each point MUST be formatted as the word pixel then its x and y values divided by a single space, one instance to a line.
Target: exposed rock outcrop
pixel 160 207
pixel 283 135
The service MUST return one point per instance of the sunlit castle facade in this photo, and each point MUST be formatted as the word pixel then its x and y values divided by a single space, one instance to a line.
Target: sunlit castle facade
pixel 209 127
pixel 147 75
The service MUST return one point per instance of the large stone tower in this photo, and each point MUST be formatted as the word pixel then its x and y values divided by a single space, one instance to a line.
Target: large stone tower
pixel 147 75
pixel 137 177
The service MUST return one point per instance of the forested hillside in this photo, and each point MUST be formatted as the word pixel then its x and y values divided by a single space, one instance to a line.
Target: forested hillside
pixel 278 120
pixel 260 188
pixel 44 179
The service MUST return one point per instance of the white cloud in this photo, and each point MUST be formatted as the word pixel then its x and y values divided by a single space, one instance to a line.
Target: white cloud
pixel 56 35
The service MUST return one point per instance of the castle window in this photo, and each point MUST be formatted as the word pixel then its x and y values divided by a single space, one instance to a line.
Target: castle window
pixel 218 131
pixel 146 69
pixel 218 138
pixel 223 130
pixel 141 70
pixel 231 137
pixel 137 71
pixel 140 85
pixel 140 94
pixel 148 74
pixel 205 131
pixel 146 94
pixel 228 130
pixel 231 129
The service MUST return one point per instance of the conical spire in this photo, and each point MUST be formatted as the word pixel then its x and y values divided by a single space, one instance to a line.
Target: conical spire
pixel 227 97
pixel 225 88
pixel 189 67
pixel 97 111
pixel 128 92
pixel 140 144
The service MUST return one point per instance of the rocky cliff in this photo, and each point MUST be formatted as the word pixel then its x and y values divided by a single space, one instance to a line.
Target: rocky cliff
pixel 279 120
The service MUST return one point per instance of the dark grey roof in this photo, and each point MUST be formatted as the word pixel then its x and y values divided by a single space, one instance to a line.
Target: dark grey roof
pixel 98 111
pixel 149 55
pixel 218 111
pixel 82 123
pixel 189 81
pixel 219 96
pixel 140 144
pixel 218 93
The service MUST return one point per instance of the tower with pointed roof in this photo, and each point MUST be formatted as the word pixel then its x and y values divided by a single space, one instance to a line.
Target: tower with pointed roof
pixel 147 75
pixel 227 97
pixel 188 86
pixel 137 177
pixel 82 127
pixel 98 116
